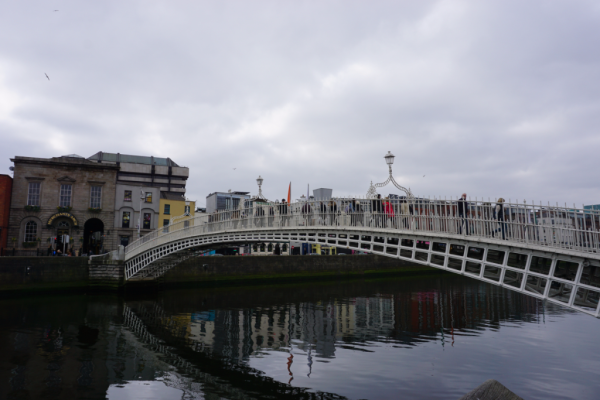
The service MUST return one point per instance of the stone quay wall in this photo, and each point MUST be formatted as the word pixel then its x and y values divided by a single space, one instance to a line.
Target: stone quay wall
pixel 42 274
pixel 26 275
pixel 255 269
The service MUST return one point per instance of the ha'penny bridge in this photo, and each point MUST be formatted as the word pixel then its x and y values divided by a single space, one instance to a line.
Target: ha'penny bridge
pixel 547 251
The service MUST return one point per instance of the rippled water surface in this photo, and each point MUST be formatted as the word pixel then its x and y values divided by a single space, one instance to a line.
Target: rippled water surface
pixel 414 338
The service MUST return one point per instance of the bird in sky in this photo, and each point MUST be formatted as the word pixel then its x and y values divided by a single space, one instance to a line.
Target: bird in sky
pixel 423 176
pixel 234 169
pixel 47 76
pixel 55 10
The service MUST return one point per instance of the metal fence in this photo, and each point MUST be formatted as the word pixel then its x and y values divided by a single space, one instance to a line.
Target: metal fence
pixel 547 225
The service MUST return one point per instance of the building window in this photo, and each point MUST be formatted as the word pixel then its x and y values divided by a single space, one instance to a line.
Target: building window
pixel 30 232
pixel 148 197
pixel 127 196
pixel 126 218
pixel 167 209
pixel 65 195
pixel 96 197
pixel 187 210
pixel 186 224
pixel 147 217
pixel 33 196
pixel 165 222
pixel 165 225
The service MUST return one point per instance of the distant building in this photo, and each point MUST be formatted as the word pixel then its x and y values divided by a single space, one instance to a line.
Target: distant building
pixel 173 205
pixel 220 201
pixel 5 194
pixel 141 180
pixel 322 194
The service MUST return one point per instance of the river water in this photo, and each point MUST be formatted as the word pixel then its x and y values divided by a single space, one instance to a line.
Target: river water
pixel 434 337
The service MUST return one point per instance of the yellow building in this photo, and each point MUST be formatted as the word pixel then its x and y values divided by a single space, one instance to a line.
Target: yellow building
pixel 173 205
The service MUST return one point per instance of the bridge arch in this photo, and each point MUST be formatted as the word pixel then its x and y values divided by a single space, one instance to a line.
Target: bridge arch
pixel 529 259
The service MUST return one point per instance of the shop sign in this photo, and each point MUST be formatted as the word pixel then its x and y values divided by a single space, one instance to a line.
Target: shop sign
pixel 62 215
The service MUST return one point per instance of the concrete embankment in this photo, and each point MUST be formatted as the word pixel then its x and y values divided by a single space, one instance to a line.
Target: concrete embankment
pixel 47 274
pixel 23 275
pixel 256 269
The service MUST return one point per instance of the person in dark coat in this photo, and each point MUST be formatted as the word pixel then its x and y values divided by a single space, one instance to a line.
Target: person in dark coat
pixel 463 213
pixel 277 250
pixel 376 210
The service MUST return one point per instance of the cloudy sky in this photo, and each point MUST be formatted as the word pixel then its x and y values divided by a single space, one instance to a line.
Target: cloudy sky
pixel 494 98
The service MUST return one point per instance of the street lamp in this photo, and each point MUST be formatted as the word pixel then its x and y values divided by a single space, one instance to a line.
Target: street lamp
pixel 259 180
pixel 389 160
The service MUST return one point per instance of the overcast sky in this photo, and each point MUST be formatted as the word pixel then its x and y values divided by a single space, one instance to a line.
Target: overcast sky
pixel 492 98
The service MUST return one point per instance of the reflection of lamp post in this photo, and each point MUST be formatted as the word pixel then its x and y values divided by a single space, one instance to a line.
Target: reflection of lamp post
pixel 389 159
pixel 259 180
pixel 142 198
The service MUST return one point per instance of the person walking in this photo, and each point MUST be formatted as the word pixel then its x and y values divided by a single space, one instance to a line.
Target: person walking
pixel 376 211
pixel 306 210
pixel 499 217
pixel 388 209
pixel 277 250
pixel 322 213
pixel 463 212
pixel 283 213
pixel 333 212
pixel 358 214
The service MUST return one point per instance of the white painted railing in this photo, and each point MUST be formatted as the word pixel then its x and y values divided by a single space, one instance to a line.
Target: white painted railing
pixel 555 227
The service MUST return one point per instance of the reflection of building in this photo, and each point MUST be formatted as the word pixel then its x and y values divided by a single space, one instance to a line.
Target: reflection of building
pixel 62 197
pixel 5 193
pixel 140 182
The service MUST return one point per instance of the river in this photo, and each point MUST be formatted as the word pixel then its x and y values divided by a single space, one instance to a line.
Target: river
pixel 433 337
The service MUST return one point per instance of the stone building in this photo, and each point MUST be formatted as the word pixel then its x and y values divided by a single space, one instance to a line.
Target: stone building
pixel 141 181
pixel 5 194
pixel 59 196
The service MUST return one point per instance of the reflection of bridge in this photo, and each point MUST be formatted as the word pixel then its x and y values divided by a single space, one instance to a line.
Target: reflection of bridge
pixel 521 251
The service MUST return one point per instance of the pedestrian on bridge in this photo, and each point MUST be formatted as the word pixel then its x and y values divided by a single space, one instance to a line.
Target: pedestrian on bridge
pixel 499 216
pixel 306 211
pixel 376 212
pixel 463 213
pixel 283 213
pixel 333 211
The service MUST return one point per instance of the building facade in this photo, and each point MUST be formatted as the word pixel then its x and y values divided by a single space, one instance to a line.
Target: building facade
pixel 5 195
pixel 65 202
pixel 140 182
pixel 173 206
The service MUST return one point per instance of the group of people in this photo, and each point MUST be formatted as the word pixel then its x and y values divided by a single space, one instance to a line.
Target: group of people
pixel 497 215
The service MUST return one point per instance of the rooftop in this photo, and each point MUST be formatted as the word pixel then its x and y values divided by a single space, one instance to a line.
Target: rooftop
pixel 126 158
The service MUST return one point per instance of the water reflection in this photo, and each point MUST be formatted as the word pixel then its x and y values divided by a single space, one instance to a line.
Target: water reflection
pixel 377 339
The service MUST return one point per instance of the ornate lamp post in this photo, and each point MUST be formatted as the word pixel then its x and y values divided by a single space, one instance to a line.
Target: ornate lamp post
pixel 259 181
pixel 389 160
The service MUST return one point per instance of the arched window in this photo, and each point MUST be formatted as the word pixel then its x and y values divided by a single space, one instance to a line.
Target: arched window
pixel 262 247
pixel 270 247
pixel 63 224
pixel 31 231
pixel 255 248
pixel 284 247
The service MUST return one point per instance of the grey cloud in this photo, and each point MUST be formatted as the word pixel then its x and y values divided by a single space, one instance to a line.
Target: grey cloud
pixel 495 98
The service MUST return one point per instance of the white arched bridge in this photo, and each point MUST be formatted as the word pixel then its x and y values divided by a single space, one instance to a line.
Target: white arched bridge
pixel 549 252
